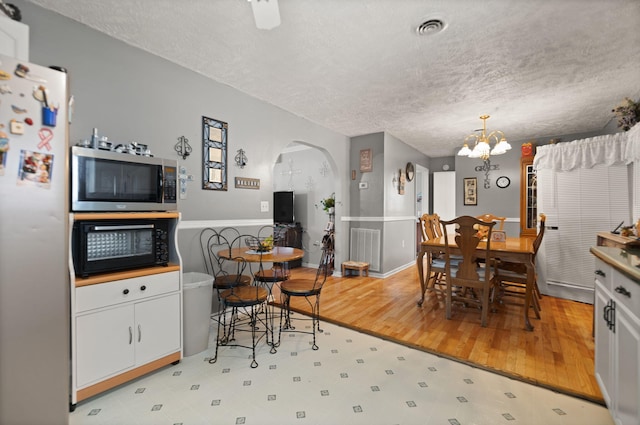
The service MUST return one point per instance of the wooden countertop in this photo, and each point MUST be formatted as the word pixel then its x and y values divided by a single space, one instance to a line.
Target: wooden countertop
pixel 627 261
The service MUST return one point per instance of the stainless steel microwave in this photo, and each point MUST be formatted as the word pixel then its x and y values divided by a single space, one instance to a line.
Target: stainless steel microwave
pixel 112 181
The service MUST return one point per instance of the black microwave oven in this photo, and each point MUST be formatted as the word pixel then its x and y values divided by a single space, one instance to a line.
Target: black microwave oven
pixel 100 246
pixel 112 181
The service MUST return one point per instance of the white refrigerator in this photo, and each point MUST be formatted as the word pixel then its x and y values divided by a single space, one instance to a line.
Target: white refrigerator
pixel 34 243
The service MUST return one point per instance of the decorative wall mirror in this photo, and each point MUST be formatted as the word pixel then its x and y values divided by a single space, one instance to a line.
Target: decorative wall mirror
pixel 214 155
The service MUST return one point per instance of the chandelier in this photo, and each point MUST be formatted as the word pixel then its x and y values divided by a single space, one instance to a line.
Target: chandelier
pixel 481 148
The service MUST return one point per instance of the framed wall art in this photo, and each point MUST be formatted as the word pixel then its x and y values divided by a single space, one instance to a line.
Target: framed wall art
pixel 470 189
pixel 366 162
pixel 214 155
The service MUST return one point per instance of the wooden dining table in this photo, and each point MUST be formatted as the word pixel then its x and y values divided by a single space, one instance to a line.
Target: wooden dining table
pixel 513 249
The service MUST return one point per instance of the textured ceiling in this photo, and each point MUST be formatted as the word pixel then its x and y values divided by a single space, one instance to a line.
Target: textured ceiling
pixel 540 68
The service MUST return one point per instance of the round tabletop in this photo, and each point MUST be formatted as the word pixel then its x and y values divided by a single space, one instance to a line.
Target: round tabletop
pixel 278 254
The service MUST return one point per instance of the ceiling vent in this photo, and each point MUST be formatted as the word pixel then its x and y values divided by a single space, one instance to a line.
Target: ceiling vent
pixel 430 27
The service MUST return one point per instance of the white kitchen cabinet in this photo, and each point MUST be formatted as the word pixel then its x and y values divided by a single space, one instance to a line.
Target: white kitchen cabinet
pixel 127 323
pixel 119 338
pixel 14 38
pixel 157 328
pixel 617 333
pixel 104 344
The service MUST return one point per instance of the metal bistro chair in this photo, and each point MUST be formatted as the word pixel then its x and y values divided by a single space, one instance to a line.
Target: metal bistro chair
pixel 467 277
pixel 226 273
pixel 309 290
pixel 244 309
pixel 278 271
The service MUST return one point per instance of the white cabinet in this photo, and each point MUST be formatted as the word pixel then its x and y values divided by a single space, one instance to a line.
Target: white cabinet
pixel 104 344
pixel 14 39
pixel 125 323
pixel 113 340
pixel 617 331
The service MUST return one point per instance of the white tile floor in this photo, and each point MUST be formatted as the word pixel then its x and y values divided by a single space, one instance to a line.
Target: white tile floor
pixel 353 378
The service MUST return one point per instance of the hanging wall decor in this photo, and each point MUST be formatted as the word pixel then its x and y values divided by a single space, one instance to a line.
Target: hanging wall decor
pixel 366 161
pixel 214 143
pixel 470 191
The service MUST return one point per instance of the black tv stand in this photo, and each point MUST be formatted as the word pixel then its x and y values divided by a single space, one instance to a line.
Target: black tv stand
pixel 288 234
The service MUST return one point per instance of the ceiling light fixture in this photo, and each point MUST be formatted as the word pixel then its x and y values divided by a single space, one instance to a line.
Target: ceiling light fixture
pixel 482 148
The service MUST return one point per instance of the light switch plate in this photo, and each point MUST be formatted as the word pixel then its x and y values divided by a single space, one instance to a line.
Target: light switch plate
pixel 363 185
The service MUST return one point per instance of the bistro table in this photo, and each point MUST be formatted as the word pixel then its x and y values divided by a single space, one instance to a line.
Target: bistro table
pixel 514 249
pixel 278 254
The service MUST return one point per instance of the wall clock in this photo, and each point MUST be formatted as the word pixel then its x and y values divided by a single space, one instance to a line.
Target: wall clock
pixel 503 181
pixel 410 171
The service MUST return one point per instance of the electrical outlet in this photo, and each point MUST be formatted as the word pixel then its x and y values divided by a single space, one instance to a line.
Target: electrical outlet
pixel 264 206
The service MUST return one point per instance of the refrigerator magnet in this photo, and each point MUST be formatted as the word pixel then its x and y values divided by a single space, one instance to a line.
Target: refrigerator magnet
pixel 16 127
pixel 45 135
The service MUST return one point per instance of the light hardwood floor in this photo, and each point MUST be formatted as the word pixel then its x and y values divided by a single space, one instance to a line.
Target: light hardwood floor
pixel 558 354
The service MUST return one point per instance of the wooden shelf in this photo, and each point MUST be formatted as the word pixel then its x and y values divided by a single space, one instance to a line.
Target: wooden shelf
pixel 124 215
pixel 127 274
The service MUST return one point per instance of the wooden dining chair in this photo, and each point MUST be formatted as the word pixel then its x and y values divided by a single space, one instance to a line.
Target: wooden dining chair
pixel 512 277
pixel 490 217
pixel 430 227
pixel 309 290
pixel 482 230
pixel 466 281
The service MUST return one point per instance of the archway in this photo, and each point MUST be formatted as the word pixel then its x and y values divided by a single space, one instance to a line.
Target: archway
pixel 310 172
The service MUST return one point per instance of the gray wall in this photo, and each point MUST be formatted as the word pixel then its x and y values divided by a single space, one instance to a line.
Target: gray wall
pixel 380 206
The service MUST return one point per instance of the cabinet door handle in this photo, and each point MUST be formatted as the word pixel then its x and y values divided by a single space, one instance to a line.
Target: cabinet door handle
pixel 139 333
pixel 601 273
pixel 612 316
pixel 126 291
pixel 623 291
pixel 143 287
pixel 605 315
pixel 130 335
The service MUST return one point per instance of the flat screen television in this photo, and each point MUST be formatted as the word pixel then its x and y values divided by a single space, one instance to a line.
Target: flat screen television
pixel 283 207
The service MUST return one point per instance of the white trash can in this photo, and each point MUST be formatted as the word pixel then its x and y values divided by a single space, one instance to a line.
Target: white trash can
pixel 196 311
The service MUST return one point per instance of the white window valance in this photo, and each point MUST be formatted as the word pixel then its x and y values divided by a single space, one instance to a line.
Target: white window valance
pixel 633 144
pixel 609 149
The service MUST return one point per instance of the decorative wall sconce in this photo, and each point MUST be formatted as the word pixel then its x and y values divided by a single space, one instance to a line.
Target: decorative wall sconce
pixel 241 158
pixel 183 147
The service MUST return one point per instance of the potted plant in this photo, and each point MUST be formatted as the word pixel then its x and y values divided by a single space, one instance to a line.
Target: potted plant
pixel 628 113
pixel 329 204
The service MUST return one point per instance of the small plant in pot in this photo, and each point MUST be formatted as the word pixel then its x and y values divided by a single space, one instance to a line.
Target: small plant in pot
pixel 329 204
pixel 628 113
